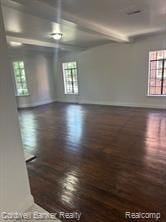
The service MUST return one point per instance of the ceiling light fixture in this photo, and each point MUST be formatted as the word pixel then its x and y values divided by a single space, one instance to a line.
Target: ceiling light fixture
pixel 57 36
pixel 134 12
pixel 15 44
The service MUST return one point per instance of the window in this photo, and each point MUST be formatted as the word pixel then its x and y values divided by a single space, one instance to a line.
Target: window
pixel 20 78
pixel 70 78
pixel 157 73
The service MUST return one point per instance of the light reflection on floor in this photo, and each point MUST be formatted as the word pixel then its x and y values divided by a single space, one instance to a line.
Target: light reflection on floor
pixel 70 185
pixel 155 143
pixel 29 131
pixel 74 119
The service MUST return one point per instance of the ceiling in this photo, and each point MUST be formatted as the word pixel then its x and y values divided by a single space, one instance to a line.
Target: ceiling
pixel 84 23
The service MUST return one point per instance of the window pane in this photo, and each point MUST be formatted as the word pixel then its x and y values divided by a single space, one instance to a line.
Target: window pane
pixel 70 78
pixel 22 72
pixel 21 64
pixel 153 65
pixel 23 78
pixel 158 90
pixel 153 74
pixel 160 54
pixel 16 65
pixel 153 55
pixel 18 86
pixel 153 82
pixel 70 65
pixel 20 78
pixel 158 82
pixel 164 91
pixel 65 65
pixel 157 72
pixel 164 83
pixel 152 90
pixel 159 64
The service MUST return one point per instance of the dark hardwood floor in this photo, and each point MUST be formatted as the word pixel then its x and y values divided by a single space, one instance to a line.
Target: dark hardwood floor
pixel 101 161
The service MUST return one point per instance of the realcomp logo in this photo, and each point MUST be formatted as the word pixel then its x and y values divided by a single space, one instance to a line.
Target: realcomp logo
pixel 142 215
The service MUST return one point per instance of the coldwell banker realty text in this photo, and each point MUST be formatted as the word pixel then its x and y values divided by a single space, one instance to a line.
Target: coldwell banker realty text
pixel 36 215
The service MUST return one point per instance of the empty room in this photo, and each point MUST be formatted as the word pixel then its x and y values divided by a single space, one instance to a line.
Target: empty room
pixel 83 110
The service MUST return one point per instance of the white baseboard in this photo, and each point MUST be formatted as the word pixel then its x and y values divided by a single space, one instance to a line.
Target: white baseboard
pixel 31 105
pixel 69 102
pixel 136 105
pixel 76 101
pixel 26 205
pixel 106 103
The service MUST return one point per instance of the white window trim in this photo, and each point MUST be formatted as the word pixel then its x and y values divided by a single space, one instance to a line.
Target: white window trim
pixel 148 93
pixel 65 93
pixel 27 95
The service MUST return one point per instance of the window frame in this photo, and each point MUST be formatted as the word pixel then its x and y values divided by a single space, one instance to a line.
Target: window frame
pixel 15 80
pixel 149 73
pixel 65 82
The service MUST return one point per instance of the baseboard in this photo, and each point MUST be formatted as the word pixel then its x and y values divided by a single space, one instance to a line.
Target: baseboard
pixel 134 105
pixel 32 105
pixel 23 207
pixel 67 101
pixel 105 103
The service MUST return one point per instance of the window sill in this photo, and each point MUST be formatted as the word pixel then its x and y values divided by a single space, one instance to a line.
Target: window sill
pixel 156 95
pixel 22 95
pixel 71 94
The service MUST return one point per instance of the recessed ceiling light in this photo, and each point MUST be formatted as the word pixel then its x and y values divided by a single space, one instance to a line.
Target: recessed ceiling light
pixel 15 44
pixel 57 36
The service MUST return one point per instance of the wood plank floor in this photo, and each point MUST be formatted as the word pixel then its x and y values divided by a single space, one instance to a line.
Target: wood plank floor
pixel 101 161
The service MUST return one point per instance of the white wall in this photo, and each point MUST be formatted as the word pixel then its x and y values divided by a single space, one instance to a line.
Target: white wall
pixel 114 74
pixel 40 78
pixel 14 184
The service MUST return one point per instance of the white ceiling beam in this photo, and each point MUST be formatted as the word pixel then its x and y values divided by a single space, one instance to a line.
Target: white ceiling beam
pixel 42 43
pixel 45 11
